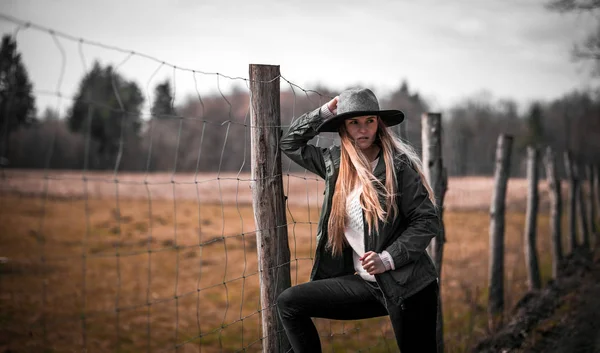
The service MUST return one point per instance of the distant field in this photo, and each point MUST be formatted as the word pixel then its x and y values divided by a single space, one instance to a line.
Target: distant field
pixel 473 193
pixel 183 273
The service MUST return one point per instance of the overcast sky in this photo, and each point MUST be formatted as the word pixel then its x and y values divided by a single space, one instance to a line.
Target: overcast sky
pixel 447 50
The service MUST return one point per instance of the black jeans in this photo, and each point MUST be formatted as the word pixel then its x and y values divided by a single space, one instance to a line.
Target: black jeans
pixel 352 298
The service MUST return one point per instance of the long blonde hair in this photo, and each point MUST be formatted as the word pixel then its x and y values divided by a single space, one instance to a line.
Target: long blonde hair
pixel 355 169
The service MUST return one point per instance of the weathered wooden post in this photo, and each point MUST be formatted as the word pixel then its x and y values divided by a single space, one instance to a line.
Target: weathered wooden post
pixel 595 196
pixel 268 202
pixel 497 209
pixel 569 169
pixel 591 172
pixel 581 200
pixel 433 168
pixel 597 185
pixel 531 258
pixel 554 192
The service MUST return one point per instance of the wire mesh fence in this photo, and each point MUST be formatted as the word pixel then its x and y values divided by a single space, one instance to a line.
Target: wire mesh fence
pixel 136 232
pixel 134 260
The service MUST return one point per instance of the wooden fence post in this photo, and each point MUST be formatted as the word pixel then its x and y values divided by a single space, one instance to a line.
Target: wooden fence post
pixel 531 258
pixel 433 168
pixel 597 186
pixel 591 172
pixel 595 196
pixel 554 192
pixel 569 169
pixel 268 202
pixel 497 209
pixel 581 200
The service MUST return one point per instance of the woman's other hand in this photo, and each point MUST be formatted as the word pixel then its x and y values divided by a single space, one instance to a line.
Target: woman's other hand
pixel 372 263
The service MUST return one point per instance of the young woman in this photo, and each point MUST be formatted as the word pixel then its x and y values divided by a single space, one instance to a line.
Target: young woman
pixel 377 219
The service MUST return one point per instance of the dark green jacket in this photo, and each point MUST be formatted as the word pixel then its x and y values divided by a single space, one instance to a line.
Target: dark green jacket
pixel 405 238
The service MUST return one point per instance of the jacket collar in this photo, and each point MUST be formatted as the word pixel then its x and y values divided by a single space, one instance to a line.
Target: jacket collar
pixel 380 168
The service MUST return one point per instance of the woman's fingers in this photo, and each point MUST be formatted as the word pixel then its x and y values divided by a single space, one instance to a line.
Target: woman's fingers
pixel 332 105
pixel 365 257
pixel 372 263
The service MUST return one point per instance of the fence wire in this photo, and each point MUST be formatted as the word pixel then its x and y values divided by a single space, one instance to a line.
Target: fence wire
pixel 226 311
pixel 153 248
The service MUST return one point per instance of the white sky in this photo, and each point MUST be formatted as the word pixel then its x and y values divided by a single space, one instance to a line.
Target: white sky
pixel 447 50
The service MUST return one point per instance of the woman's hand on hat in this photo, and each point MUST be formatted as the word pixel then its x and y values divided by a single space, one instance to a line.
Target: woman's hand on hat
pixel 332 105
pixel 372 263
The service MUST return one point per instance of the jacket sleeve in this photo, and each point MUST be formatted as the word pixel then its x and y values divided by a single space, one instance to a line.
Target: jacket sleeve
pixel 421 215
pixel 295 144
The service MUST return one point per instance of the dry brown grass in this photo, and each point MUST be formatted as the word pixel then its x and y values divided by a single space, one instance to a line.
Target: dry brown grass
pixel 232 188
pixel 183 272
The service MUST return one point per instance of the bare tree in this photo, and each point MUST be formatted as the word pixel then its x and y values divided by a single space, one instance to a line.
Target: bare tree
pixel 589 48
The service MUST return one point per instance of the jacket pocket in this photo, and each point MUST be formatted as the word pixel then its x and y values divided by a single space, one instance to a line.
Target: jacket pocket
pixel 403 274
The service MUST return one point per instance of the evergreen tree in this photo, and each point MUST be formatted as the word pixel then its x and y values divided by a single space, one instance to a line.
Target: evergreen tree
pixel 112 105
pixel 412 105
pixel 50 115
pixel 17 104
pixel 162 107
pixel 534 135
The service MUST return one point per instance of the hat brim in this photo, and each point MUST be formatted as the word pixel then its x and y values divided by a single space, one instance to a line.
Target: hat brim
pixel 389 117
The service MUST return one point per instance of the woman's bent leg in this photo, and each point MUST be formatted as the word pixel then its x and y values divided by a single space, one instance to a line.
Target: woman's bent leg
pixel 340 298
pixel 415 322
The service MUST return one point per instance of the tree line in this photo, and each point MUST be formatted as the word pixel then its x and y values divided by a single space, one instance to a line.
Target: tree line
pixel 104 129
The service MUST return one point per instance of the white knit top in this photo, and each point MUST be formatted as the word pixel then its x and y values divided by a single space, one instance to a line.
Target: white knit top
pixel 354 232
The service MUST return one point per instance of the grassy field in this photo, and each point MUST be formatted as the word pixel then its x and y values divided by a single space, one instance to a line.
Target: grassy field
pixel 131 271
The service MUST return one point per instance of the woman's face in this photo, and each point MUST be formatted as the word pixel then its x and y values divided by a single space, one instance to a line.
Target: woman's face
pixel 362 130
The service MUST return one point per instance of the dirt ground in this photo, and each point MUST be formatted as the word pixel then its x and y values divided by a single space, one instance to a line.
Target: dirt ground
pixel 561 318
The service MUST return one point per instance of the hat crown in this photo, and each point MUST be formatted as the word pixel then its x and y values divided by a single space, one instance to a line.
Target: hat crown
pixel 357 102
pixel 353 100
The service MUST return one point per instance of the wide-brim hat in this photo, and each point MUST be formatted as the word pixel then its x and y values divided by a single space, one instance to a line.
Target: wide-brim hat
pixel 359 102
